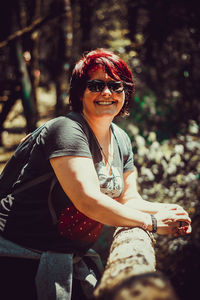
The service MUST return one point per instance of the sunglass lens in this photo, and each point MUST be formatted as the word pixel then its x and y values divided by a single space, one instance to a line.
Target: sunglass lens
pixel 115 86
pixel 96 85
pixel 99 85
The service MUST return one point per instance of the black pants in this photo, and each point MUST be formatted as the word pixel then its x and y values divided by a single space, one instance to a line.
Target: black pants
pixel 17 280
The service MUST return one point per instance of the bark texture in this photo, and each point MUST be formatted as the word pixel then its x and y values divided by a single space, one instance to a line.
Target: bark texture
pixel 131 253
pixel 130 272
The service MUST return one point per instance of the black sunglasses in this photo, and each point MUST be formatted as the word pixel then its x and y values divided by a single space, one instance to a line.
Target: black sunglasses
pixel 99 85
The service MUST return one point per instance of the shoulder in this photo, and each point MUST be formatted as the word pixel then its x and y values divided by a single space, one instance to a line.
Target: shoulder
pixel 70 119
pixel 125 147
pixel 66 135
pixel 70 124
pixel 120 134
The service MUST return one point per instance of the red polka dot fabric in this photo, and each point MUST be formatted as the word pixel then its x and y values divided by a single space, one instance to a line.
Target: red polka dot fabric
pixel 76 226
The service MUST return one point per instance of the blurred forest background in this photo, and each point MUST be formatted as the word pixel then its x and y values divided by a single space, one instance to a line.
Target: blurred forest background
pixel 160 40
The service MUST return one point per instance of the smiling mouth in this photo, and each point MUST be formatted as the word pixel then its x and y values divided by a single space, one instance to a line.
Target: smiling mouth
pixel 105 102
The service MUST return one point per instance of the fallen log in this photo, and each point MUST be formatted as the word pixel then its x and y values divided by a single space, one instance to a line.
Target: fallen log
pixel 130 272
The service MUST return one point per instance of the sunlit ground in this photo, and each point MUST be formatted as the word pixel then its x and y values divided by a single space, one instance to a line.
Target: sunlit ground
pixel 15 124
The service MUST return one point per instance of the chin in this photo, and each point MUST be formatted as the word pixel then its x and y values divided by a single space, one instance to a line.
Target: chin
pixel 107 114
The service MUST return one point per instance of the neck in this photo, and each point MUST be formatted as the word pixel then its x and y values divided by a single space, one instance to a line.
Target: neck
pixel 100 127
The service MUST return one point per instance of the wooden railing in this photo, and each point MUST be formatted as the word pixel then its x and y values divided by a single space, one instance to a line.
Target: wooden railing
pixel 130 272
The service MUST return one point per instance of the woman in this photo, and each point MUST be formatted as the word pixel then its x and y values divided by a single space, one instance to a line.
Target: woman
pixel 93 163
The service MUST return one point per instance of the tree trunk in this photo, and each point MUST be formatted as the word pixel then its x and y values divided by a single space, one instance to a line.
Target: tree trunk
pixel 13 96
pixel 26 89
pixel 19 20
pixel 85 24
pixel 34 66
pixel 64 55
pixel 130 270
pixel 131 253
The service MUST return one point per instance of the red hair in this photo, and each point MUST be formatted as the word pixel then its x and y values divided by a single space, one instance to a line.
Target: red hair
pixel 113 65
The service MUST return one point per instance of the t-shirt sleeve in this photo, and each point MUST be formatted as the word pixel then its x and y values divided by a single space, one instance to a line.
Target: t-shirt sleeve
pixel 125 147
pixel 65 137
pixel 128 156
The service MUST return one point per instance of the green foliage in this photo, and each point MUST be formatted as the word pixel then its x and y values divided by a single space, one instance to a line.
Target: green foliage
pixel 169 172
pixel 158 39
pixel 160 42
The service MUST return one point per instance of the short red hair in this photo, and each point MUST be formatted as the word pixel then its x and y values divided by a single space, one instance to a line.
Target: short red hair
pixel 114 66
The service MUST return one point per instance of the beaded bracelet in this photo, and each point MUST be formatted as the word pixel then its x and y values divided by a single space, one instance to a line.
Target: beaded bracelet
pixel 154 223
pixel 144 226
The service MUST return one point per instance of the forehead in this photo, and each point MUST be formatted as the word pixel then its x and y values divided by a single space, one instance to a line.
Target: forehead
pixel 100 73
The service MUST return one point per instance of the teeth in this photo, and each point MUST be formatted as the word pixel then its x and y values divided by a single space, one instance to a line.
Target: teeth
pixel 105 102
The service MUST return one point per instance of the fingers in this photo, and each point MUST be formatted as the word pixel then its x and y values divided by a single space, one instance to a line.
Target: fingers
pixel 184 219
pixel 189 229
pixel 176 208
pixel 180 231
pixel 182 223
pixel 173 220
pixel 181 212
pixel 170 206
pixel 174 217
pixel 181 216
pixel 175 231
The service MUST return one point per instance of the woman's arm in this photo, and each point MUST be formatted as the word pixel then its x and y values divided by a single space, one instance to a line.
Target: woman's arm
pixel 132 198
pixel 79 180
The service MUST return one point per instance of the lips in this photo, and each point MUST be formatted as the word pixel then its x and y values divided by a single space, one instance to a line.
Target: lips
pixel 105 102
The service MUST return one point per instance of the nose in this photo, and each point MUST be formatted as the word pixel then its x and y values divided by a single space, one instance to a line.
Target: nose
pixel 106 91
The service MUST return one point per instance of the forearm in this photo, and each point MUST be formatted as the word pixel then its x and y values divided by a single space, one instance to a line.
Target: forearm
pixel 110 212
pixel 168 216
pixel 137 202
pixel 129 210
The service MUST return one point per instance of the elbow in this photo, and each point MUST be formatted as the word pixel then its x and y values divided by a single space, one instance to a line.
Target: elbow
pixel 88 204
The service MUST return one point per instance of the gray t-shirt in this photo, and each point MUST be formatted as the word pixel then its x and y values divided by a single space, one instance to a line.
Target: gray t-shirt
pixel 30 222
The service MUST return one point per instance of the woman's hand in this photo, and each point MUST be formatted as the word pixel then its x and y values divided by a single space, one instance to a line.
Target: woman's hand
pixel 174 220
pixel 171 206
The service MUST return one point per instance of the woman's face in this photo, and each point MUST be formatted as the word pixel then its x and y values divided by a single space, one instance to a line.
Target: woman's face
pixel 105 103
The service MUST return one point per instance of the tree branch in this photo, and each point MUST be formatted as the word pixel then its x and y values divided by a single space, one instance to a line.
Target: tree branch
pixel 131 253
pixel 130 270
pixel 30 28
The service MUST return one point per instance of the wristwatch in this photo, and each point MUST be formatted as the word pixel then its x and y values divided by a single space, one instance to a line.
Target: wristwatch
pixel 154 223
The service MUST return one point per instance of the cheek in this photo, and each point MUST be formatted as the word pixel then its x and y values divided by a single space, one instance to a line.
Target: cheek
pixel 89 97
pixel 122 98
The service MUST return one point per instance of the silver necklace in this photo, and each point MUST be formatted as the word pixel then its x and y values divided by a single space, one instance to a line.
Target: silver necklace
pixel 106 160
